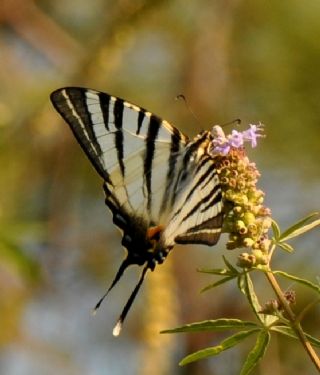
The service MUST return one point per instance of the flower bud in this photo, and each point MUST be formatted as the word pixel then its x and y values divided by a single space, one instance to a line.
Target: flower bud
pixel 271 307
pixel 261 258
pixel 246 260
pixel 248 242
pixel 249 218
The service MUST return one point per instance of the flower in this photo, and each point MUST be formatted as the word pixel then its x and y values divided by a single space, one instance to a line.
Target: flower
pixel 222 148
pixel 222 144
pixel 235 139
pixel 253 133
pixel 246 219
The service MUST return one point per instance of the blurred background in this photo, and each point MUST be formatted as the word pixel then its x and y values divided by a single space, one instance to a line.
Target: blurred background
pixel 258 61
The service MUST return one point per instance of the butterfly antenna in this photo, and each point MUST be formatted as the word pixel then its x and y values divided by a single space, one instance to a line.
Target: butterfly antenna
pixel 121 269
pixel 117 328
pixel 236 121
pixel 182 97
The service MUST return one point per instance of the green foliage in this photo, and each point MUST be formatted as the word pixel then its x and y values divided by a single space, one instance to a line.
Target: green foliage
pixel 302 226
pixel 214 325
pixel 257 352
pixel 228 343
pixel 275 317
pixel 299 280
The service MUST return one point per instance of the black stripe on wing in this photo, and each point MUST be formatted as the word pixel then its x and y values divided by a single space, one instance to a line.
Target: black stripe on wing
pixel 105 104
pixel 213 197
pixel 205 178
pixel 154 126
pixel 118 135
pixel 172 169
pixel 72 106
pixel 141 117
pixel 187 164
pixel 207 233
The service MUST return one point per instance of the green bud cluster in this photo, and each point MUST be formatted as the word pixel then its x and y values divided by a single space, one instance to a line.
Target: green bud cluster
pixel 246 220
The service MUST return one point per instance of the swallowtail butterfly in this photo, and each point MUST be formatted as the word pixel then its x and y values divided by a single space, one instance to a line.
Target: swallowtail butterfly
pixel 161 187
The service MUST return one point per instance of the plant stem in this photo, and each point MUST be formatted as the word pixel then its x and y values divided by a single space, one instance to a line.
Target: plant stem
pixel 295 324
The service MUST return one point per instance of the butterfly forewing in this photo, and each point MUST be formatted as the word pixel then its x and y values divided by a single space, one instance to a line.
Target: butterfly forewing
pixel 130 148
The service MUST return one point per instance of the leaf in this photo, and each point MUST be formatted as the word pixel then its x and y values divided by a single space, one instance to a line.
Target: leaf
pixel 289 332
pixel 230 266
pixel 241 284
pixel 229 271
pixel 300 227
pixel 284 330
pixel 215 271
pixel 285 246
pixel 275 229
pixel 246 287
pixel 215 350
pixel 214 325
pixel 299 280
pixel 219 282
pixel 256 353
pixel 313 340
pixel 302 230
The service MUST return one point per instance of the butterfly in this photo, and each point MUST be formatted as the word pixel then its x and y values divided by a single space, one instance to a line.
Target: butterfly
pixel 161 187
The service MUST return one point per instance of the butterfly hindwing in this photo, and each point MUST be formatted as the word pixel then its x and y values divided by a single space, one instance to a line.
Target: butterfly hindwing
pixel 196 215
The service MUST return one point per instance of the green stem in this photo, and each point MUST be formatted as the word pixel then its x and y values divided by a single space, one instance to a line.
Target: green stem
pixel 295 324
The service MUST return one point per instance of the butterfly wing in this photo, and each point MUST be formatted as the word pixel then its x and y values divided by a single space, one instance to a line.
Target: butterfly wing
pixel 134 151
pixel 161 188
pixel 196 214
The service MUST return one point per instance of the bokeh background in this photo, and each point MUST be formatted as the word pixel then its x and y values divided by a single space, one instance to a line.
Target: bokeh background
pixel 258 61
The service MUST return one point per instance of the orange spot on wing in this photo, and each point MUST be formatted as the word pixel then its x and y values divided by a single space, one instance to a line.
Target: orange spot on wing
pixel 153 233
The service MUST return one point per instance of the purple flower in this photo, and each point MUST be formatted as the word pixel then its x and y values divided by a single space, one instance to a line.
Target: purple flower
pixel 252 134
pixel 222 149
pixel 235 139
pixel 222 144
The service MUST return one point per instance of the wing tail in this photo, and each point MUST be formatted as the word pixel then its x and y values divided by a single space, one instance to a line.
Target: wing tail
pixel 124 265
pixel 117 329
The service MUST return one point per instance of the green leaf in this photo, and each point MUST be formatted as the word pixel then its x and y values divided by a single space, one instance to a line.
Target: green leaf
pixel 284 330
pixel 241 283
pixel 215 271
pixel 246 287
pixel 275 229
pixel 230 266
pixel 299 280
pixel 215 350
pixel 229 271
pixel 219 282
pixel 313 341
pixel 214 325
pixel 256 353
pixel 289 332
pixel 285 246
pixel 300 227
